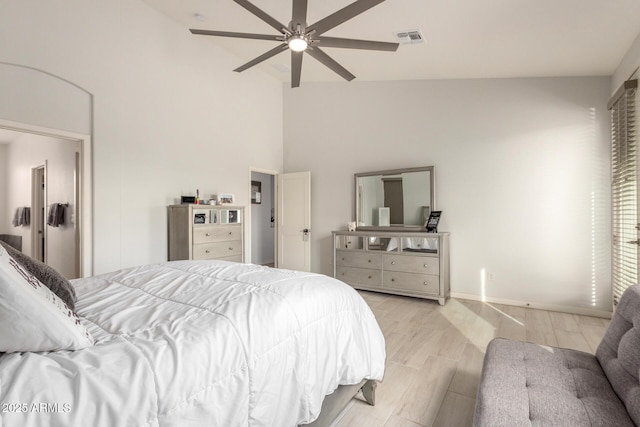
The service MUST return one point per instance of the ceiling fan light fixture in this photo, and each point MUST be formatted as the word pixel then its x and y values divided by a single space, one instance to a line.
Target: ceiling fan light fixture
pixel 297 43
pixel 299 38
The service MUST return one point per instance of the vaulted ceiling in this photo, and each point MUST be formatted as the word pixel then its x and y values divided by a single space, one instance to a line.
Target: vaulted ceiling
pixel 463 38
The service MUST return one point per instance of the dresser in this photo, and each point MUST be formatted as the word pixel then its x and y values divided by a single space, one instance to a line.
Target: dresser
pixel 404 263
pixel 206 232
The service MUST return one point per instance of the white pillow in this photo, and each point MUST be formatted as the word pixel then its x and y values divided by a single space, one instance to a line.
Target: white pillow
pixel 32 318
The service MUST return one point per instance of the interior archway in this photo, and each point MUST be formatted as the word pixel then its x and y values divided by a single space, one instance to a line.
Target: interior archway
pixel 48 105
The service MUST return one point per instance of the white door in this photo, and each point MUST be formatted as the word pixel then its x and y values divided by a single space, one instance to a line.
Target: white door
pixel 38 213
pixel 294 221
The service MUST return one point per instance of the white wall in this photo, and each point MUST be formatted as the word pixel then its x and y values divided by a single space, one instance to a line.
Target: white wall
pixel 164 117
pixel 262 234
pixel 4 229
pixel 23 154
pixel 521 174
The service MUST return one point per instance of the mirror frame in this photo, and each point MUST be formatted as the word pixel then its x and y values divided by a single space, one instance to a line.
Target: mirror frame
pixel 403 227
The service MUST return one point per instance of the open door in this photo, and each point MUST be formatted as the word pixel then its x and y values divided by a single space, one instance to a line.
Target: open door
pixel 38 214
pixel 294 221
pixel 262 221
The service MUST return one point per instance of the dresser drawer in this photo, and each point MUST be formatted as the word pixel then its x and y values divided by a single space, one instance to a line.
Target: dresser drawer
pixel 217 233
pixel 217 249
pixel 234 258
pixel 425 283
pixel 359 276
pixel 412 264
pixel 358 259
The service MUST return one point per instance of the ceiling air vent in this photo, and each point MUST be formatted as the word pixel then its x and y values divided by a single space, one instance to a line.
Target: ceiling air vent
pixel 409 37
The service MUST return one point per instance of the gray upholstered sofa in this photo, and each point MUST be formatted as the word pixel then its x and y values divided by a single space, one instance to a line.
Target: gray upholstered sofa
pixel 525 384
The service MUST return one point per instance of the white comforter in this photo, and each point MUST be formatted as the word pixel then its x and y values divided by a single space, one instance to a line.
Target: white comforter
pixel 198 344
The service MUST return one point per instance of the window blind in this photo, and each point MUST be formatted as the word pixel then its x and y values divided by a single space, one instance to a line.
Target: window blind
pixel 624 191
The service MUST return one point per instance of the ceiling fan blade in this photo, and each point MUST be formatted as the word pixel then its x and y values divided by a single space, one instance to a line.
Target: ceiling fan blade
pixel 237 35
pixel 273 52
pixel 355 44
pixel 296 68
pixel 330 63
pixel 299 15
pixel 262 15
pixel 342 15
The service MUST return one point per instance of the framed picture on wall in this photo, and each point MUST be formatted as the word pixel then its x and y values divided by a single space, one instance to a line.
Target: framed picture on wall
pixel 256 192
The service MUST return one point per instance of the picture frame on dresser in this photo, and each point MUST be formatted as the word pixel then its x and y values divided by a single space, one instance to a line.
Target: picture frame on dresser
pixel 226 199
pixel 432 223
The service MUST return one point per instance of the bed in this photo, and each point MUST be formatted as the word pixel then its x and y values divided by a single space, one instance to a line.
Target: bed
pixel 193 343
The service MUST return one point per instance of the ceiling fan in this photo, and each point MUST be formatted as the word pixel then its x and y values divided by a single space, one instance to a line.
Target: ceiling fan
pixel 300 37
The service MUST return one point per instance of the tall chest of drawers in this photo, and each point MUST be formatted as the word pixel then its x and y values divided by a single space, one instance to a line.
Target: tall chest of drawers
pixel 206 232
pixel 403 263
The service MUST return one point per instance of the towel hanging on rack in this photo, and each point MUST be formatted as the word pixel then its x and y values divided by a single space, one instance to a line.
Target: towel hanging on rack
pixel 56 214
pixel 22 217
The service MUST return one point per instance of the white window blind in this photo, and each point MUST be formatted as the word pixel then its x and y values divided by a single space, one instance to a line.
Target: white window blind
pixel 624 168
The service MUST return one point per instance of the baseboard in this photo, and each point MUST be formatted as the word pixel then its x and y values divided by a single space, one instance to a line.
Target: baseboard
pixel 541 306
pixel 341 415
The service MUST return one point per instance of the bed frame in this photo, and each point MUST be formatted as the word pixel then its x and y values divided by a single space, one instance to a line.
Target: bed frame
pixel 335 403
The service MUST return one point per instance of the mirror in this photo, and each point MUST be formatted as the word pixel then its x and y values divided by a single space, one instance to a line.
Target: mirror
pixel 394 198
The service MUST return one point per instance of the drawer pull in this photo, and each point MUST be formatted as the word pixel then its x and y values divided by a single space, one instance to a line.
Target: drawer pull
pixel 426 283
pixel 369 277
pixel 230 233
pixel 230 249
pixel 393 280
pixel 207 234
pixel 426 266
pixel 206 251
pixel 393 263
pixel 343 258
pixel 369 261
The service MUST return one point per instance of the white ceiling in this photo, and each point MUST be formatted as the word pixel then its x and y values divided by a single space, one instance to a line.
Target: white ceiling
pixel 464 38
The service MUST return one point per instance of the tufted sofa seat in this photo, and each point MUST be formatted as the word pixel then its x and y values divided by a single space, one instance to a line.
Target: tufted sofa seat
pixel 526 384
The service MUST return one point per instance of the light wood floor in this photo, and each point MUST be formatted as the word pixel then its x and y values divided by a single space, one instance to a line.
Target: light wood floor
pixel 435 354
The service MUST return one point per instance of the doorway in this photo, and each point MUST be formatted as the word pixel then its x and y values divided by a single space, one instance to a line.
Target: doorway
pixel 67 247
pixel 38 201
pixel 38 112
pixel 263 227
pixel 280 225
